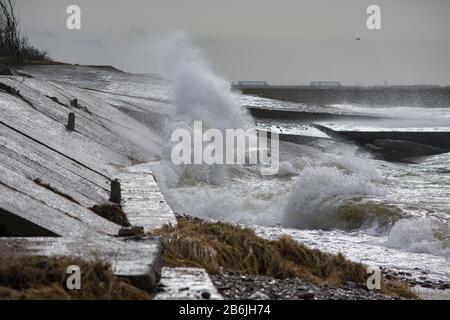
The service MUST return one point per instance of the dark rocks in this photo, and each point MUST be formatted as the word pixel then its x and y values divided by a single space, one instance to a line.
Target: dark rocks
pixel 397 146
pixel 238 287
pixel 400 149
pixel 423 280
pixel 131 231
pixel 259 296
pixel 206 295
pixel 307 295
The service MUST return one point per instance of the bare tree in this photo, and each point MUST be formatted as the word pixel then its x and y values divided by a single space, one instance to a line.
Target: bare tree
pixel 11 30
pixel 12 41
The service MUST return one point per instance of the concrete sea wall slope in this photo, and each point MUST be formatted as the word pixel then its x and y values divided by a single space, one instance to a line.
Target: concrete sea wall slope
pixel 54 170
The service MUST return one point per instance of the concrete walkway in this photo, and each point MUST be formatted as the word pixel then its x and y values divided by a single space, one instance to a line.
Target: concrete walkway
pixel 186 284
pixel 142 200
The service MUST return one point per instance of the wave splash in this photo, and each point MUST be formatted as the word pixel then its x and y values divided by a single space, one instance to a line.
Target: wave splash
pixel 331 198
pixel 420 235
pixel 198 95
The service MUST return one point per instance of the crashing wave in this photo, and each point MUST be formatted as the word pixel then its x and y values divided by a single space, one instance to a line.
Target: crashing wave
pixel 421 236
pixel 331 198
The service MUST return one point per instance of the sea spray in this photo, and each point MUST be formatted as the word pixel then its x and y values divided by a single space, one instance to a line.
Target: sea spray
pixel 198 95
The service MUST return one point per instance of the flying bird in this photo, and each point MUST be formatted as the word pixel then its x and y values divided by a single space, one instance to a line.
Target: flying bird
pixel 357 39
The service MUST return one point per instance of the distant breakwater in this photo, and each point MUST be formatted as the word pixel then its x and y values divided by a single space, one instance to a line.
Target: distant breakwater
pixel 416 96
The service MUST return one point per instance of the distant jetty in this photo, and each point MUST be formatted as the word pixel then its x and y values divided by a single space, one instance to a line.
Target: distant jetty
pixel 416 96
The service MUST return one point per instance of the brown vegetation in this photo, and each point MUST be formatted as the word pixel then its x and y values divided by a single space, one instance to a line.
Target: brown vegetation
pixel 219 247
pixel 45 278
pixel 113 213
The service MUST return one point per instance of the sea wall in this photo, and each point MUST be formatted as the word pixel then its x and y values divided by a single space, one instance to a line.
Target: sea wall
pixel 420 96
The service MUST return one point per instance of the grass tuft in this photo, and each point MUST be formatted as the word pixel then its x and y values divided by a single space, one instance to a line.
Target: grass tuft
pixel 44 278
pixel 113 213
pixel 220 247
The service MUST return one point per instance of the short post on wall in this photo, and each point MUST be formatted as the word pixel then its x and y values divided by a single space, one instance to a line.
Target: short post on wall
pixel 71 122
pixel 74 103
pixel 116 192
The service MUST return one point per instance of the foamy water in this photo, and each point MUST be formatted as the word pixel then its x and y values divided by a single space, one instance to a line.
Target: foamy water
pixel 329 195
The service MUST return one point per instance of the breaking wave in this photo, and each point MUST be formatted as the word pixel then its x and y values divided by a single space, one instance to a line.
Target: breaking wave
pixel 330 198
pixel 421 236
pixel 198 95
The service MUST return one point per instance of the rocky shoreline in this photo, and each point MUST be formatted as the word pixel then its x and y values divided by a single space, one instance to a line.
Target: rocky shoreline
pixel 234 286
pixel 422 281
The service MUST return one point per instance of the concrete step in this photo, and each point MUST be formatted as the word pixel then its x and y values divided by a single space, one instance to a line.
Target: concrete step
pixel 142 200
pixel 138 261
pixel 186 284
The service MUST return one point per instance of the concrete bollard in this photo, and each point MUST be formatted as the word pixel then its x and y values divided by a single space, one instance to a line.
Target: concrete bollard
pixel 71 122
pixel 74 103
pixel 116 191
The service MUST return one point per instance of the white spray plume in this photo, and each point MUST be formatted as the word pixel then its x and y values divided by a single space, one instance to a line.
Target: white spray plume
pixel 199 94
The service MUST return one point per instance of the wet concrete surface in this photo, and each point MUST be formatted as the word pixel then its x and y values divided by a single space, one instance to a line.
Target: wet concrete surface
pixel 142 200
pixel 186 284
pixel 50 177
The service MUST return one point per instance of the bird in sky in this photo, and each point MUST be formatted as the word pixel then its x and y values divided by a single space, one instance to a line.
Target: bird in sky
pixel 357 39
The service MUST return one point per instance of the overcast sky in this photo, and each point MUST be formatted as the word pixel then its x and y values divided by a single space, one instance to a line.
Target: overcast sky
pixel 281 41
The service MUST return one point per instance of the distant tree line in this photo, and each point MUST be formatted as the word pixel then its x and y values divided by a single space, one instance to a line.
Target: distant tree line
pixel 13 44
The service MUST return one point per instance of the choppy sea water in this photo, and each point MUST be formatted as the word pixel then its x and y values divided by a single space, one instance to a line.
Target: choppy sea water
pixel 334 196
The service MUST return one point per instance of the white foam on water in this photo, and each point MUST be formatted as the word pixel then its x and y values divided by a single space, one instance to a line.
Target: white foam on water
pixel 320 192
pixel 398 118
pixel 312 189
pixel 421 236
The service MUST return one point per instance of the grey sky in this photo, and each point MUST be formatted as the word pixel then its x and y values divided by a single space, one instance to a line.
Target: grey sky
pixel 282 41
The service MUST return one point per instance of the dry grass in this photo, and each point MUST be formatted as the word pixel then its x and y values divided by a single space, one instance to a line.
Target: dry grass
pixel 221 247
pixel 41 278
pixel 395 288
pixel 113 213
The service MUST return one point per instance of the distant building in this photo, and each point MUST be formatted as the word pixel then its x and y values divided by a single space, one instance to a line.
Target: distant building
pixel 325 84
pixel 252 84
